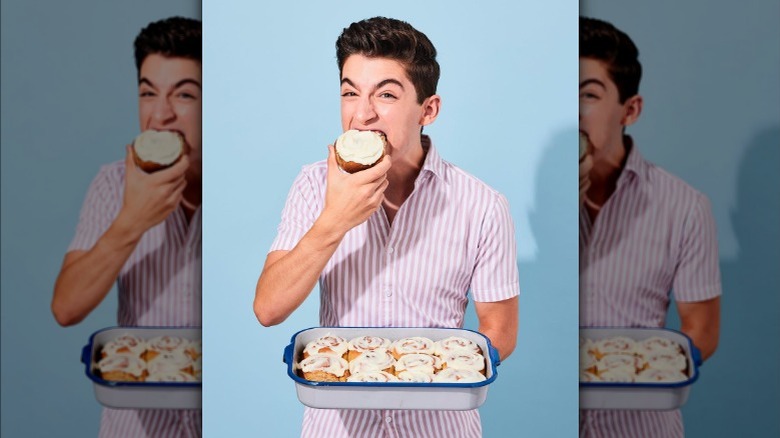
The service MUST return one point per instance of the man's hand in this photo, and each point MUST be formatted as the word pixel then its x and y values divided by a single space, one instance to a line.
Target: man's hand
pixel 350 199
pixel 150 198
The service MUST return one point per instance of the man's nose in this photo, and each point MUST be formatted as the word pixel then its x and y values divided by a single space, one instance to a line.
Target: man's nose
pixel 163 111
pixel 365 110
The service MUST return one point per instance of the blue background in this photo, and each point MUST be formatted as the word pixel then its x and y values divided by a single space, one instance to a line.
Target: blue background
pixel 272 105
pixel 69 105
pixel 711 88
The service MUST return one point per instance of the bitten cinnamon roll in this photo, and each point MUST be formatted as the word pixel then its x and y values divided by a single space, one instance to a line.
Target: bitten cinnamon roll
pixel 125 344
pixel 372 376
pixel 165 344
pixel 366 343
pixel 454 375
pixel 374 360
pixel 464 361
pixel 418 362
pixel 415 344
pixel 122 368
pixel 453 344
pixel 328 344
pixel 324 368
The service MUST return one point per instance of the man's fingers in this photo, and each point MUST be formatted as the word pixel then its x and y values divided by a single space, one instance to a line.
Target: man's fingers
pixel 375 173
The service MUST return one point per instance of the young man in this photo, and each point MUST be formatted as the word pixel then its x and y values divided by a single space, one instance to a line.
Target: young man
pixel 643 232
pixel 399 244
pixel 141 230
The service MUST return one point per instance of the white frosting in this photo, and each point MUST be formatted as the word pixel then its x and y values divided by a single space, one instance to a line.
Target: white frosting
pixel 336 344
pixel 657 344
pixel 621 375
pixel 414 344
pixel 125 344
pixel 454 375
pixel 367 343
pixel 167 344
pixel 162 147
pixel 455 343
pixel 374 360
pixel 372 376
pixel 667 361
pixel 587 359
pixel 122 362
pixel 363 147
pixel 625 362
pixel 656 375
pixel 324 362
pixel 586 376
pixel 415 376
pixel 418 362
pixel 167 362
pixel 464 360
pixel 618 344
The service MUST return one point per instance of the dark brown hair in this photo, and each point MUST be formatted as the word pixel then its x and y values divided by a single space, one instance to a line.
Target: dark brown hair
pixel 602 41
pixel 381 37
pixel 171 37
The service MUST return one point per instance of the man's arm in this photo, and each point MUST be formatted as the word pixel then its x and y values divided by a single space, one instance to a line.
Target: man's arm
pixel 86 276
pixel 701 322
pixel 288 277
pixel 498 321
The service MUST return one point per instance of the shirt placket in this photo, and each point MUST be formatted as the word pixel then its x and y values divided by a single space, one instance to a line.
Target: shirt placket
pixel 388 280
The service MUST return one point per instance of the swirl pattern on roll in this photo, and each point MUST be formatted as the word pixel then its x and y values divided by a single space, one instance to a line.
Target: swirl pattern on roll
pixel 375 360
pixel 414 344
pixel 418 362
pixel 328 344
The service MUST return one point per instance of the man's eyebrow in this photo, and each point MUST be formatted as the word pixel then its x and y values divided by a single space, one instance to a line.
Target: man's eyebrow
pixel 379 85
pixel 176 85
pixel 592 81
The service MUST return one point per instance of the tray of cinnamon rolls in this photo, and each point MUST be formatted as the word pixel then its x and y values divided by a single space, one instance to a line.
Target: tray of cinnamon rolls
pixel 391 367
pixel 145 367
pixel 636 368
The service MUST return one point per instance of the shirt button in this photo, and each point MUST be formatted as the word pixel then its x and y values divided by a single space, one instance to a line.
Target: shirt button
pixel 388 419
pixel 390 250
pixel 388 292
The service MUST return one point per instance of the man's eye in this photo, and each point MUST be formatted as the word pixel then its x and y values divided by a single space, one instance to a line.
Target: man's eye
pixel 348 94
pixel 146 94
pixel 186 95
pixel 387 96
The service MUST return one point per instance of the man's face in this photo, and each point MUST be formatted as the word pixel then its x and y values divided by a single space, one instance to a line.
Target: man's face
pixel 602 116
pixel 377 95
pixel 169 99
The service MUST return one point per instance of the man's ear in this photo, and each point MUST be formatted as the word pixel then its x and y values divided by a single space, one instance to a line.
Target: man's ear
pixel 430 109
pixel 632 108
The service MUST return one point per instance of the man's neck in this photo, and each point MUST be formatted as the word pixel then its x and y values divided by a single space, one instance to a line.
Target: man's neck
pixel 402 175
pixel 607 167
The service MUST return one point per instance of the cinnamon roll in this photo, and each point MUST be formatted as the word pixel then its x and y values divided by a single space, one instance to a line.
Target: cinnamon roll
pixel 454 375
pixel 374 360
pixel 165 344
pixel 125 344
pixel 624 362
pixel 617 344
pixel 324 368
pixel 328 344
pixel 414 376
pixel 617 375
pixel 419 363
pixel 455 344
pixel 463 360
pixel 360 344
pixel 657 344
pixel 122 368
pixel 414 344
pixel 372 376
pixel 168 362
pixel 667 361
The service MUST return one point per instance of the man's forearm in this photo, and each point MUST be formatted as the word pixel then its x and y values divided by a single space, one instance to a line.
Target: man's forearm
pixel 287 281
pixel 86 277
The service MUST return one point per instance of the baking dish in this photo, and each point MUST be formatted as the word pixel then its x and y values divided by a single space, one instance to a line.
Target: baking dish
pixel 640 396
pixel 140 395
pixel 390 395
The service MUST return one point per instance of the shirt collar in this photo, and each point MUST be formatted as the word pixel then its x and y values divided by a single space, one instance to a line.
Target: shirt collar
pixel 635 163
pixel 433 162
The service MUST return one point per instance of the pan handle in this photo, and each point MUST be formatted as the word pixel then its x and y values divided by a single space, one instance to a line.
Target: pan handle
pixel 288 353
pixel 86 354
pixel 696 355
pixel 494 355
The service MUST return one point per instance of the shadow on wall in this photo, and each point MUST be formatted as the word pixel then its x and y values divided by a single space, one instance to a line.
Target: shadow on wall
pixel 739 390
pixel 548 305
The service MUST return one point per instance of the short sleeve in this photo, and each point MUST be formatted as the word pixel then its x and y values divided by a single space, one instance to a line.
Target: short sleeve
pixel 100 207
pixel 299 213
pixel 697 277
pixel 495 276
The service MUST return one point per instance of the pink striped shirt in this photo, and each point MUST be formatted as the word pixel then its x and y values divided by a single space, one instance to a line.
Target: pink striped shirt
pixel 653 236
pixel 159 285
pixel 453 234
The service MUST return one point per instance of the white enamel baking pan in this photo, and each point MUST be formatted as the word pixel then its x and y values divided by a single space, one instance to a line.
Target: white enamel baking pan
pixel 140 395
pixel 390 395
pixel 640 396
